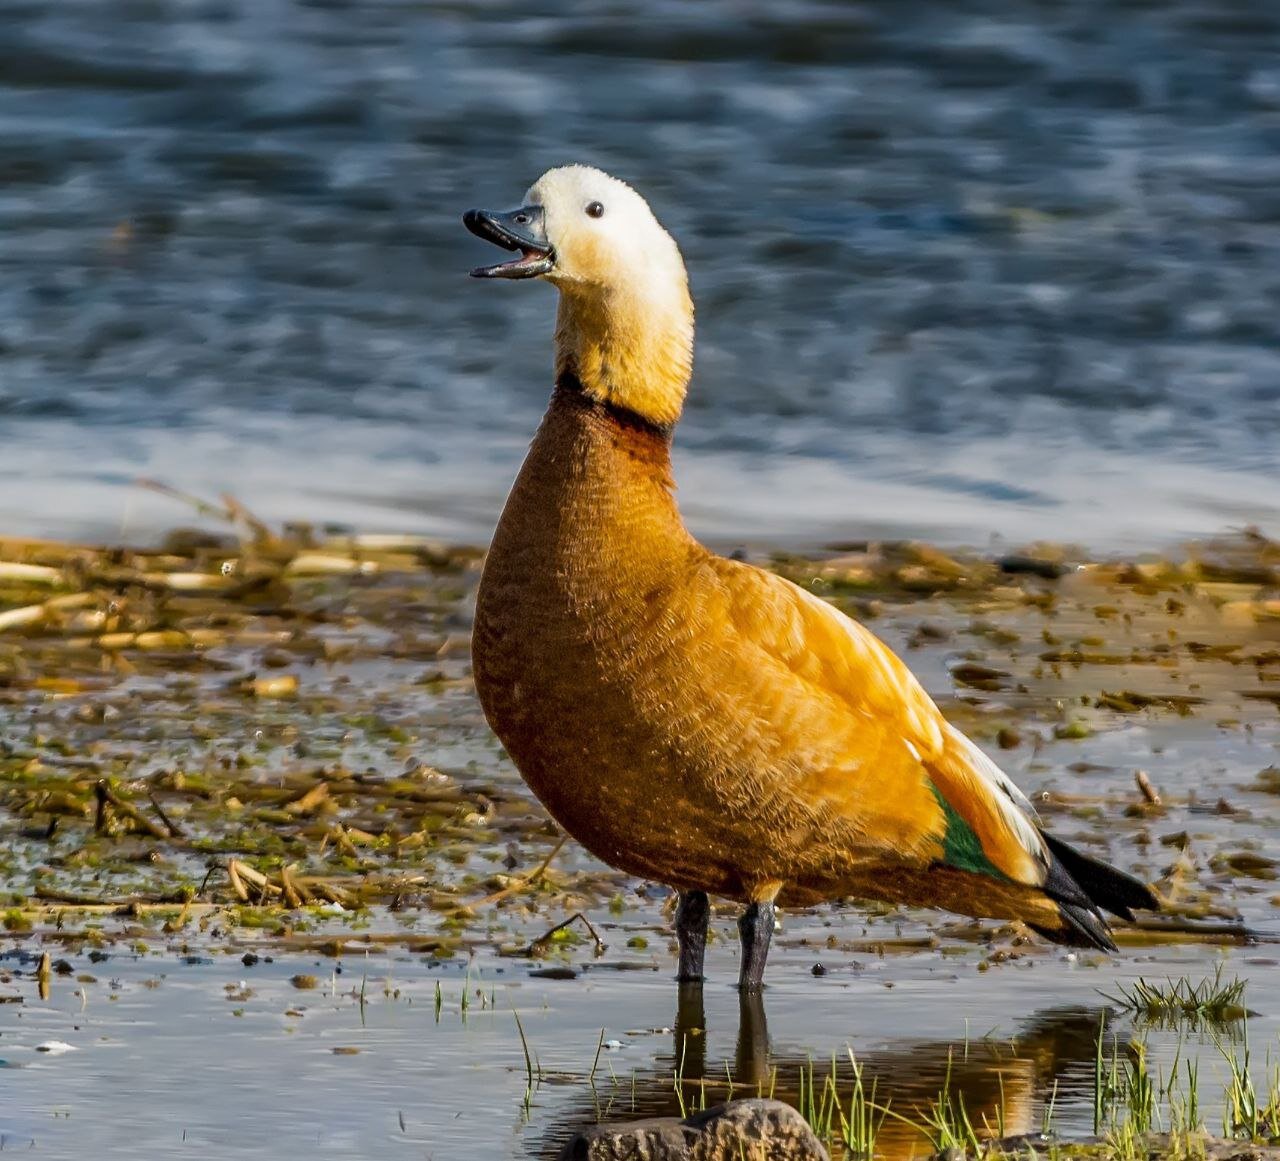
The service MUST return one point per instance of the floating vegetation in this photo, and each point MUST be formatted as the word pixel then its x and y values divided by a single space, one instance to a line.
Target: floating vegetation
pixel 1139 1112
pixel 1206 1004
pixel 188 736
pixel 266 742
pixel 282 719
pixel 972 1097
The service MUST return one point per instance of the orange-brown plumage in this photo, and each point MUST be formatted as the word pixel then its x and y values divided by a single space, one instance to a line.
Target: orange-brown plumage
pixel 696 720
pixel 689 718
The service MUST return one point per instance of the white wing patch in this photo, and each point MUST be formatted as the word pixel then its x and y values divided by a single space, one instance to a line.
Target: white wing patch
pixel 1014 805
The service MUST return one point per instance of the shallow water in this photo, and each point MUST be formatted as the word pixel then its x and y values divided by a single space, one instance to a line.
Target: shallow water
pixel 173 1059
pixel 179 1046
pixel 961 269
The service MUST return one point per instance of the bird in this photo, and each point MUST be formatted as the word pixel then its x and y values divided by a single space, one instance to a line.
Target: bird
pixel 692 719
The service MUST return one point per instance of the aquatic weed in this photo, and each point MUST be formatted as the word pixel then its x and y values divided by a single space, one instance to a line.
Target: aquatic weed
pixel 1209 1003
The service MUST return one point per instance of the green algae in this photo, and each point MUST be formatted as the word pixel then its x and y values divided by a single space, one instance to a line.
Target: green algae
pixel 154 743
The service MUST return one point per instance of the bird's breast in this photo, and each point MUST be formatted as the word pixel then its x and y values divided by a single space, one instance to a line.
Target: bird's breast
pixel 590 661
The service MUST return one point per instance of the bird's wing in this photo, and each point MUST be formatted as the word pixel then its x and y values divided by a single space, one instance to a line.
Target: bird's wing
pixel 984 823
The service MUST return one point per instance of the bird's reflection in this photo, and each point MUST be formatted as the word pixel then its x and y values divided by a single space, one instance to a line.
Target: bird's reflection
pixel 751 1058
pixel 1002 1086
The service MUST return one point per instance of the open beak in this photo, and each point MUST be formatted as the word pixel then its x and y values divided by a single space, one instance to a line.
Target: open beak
pixel 524 231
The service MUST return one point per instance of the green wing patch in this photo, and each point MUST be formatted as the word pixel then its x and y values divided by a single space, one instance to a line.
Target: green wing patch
pixel 960 845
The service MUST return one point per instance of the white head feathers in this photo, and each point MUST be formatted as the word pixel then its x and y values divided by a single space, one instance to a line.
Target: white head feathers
pixel 605 234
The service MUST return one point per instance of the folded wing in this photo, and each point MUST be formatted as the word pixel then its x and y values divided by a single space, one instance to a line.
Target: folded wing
pixel 978 819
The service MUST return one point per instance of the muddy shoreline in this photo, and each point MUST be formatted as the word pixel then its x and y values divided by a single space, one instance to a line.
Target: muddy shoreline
pixel 255 755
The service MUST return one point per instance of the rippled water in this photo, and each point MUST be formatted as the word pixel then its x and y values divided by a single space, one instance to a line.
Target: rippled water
pixel 961 268
pixel 283 1075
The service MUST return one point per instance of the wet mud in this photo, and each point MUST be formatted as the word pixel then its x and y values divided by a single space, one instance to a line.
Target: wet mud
pixel 248 801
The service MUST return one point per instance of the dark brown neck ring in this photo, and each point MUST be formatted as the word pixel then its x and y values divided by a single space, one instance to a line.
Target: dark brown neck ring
pixel 569 387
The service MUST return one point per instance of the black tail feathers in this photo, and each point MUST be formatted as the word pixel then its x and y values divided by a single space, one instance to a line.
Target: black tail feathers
pixel 1083 887
pixel 1101 884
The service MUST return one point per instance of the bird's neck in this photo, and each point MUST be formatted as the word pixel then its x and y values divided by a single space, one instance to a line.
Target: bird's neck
pixel 595 496
pixel 628 350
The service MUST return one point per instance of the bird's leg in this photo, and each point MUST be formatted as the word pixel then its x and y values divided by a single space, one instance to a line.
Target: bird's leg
pixel 692 915
pixel 756 930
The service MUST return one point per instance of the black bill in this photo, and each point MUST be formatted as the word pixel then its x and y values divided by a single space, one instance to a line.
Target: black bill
pixel 524 231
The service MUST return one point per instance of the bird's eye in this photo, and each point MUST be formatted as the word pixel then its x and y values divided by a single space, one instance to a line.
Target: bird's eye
pixel 595 210
pixel 521 219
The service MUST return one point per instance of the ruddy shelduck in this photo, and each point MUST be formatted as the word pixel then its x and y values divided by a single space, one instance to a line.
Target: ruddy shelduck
pixel 696 720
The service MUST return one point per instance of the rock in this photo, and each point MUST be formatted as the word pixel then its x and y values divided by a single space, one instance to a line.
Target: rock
pixel 1213 1148
pixel 746 1130
pixel 1034 566
pixel 1008 738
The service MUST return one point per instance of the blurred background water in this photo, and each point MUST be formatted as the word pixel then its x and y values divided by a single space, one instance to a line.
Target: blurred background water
pixel 963 267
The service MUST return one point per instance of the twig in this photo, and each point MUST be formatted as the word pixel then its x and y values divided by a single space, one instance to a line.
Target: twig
pixel 1232 931
pixel 242 514
pixel 247 874
pixel 328 891
pixel 106 795
pixel 538 944
pixel 591 1076
pixel 184 915
pixel 338 834
pixel 210 871
pixel 60 761
pixel 23 615
pixel 1149 792
pixel 236 884
pixel 524 880
pixel 36 614
pixel 72 899
pixel 201 506
pixel 175 831
pixel 37 574
pixel 294 893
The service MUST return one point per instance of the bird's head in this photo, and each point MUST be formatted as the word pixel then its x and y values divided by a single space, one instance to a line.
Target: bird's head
pixel 625 327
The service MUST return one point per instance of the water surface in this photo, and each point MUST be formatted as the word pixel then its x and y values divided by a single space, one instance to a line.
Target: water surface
pixel 960 269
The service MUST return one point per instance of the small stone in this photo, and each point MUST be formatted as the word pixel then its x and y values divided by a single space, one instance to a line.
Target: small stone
pixel 1033 566
pixel 55 1047
pixel 1072 731
pixel 282 685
